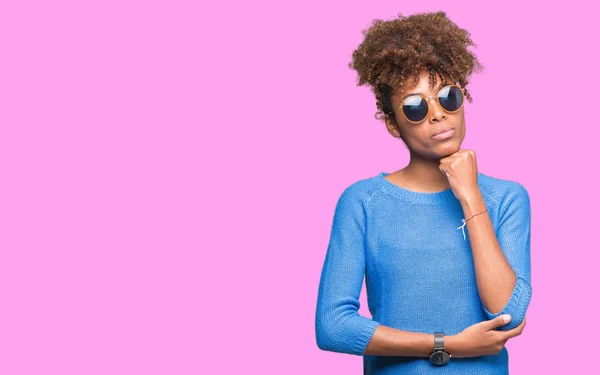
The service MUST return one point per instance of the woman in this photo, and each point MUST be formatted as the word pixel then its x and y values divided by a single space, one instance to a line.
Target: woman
pixel 444 248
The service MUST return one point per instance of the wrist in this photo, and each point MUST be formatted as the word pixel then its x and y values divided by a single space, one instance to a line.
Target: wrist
pixel 453 344
pixel 472 204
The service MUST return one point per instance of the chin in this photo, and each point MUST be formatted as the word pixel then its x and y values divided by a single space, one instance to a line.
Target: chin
pixel 447 149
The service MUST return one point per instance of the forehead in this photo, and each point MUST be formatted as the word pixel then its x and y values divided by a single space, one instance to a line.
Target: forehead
pixel 422 86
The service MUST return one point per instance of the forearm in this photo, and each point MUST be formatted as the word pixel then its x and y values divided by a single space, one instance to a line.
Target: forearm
pixel 389 341
pixel 495 278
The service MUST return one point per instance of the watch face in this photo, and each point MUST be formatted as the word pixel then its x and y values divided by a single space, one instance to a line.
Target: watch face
pixel 439 357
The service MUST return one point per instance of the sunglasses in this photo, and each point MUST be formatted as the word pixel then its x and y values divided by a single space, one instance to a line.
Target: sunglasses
pixel 416 107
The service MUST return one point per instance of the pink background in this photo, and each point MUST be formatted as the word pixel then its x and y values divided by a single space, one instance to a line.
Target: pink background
pixel 170 171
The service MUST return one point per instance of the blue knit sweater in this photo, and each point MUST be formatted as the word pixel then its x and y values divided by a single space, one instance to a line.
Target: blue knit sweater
pixel 419 271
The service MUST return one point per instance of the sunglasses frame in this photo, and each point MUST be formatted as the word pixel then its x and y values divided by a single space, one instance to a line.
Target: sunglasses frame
pixel 437 98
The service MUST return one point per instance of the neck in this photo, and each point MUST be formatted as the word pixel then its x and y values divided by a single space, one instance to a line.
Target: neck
pixel 424 175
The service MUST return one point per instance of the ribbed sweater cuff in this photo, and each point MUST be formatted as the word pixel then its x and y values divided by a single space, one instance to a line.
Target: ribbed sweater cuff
pixel 516 305
pixel 364 336
pixel 349 335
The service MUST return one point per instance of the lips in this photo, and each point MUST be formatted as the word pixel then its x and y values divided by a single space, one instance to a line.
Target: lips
pixel 440 131
pixel 443 134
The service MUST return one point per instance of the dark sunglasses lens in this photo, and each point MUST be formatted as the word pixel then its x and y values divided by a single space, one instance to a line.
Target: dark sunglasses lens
pixel 451 98
pixel 415 108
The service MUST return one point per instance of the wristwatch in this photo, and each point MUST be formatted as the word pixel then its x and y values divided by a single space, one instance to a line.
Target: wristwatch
pixel 439 356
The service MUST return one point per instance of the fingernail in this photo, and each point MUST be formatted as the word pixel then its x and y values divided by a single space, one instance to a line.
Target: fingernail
pixel 507 318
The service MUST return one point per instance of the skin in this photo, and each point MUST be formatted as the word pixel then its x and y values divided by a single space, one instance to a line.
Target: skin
pixel 437 165
pixel 422 173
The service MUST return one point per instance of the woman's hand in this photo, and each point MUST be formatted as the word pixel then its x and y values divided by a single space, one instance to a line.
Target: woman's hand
pixel 481 339
pixel 461 170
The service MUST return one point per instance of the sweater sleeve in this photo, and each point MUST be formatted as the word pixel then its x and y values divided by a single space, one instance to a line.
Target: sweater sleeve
pixel 339 327
pixel 514 232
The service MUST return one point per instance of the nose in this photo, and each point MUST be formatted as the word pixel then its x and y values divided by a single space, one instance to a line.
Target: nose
pixel 436 113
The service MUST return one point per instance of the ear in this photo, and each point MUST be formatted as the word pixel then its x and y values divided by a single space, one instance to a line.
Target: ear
pixel 392 129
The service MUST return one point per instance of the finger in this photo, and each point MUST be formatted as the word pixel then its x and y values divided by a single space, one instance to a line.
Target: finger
pixel 442 169
pixel 515 331
pixel 497 321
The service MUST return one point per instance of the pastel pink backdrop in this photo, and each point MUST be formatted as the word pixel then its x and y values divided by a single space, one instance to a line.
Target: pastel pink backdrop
pixel 170 172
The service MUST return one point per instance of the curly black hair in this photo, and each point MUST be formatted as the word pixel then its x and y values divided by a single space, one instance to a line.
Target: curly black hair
pixel 393 51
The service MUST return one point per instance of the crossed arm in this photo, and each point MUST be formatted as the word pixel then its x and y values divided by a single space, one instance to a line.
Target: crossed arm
pixel 502 262
pixel 502 269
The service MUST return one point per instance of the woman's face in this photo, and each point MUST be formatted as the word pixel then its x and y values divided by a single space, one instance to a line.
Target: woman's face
pixel 419 137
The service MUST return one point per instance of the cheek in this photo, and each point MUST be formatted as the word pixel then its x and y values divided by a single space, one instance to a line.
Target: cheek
pixel 420 140
pixel 464 129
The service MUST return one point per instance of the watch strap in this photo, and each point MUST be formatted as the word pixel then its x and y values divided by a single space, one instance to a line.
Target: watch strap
pixel 438 341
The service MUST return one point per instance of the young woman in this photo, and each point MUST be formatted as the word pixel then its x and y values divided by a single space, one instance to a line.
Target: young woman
pixel 444 248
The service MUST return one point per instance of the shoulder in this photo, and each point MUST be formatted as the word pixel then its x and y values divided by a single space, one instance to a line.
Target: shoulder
pixel 502 191
pixel 361 190
pixel 358 195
